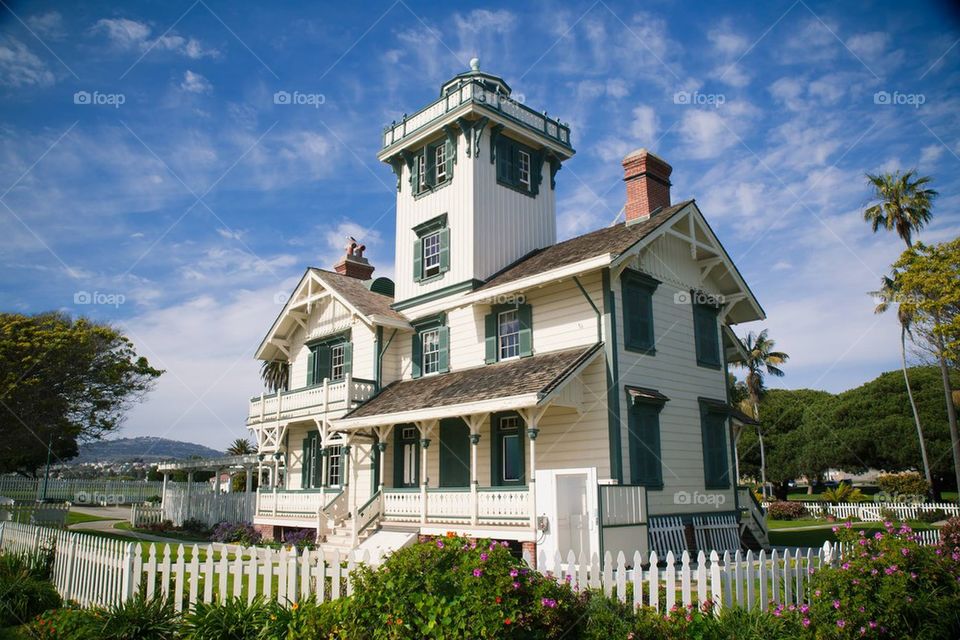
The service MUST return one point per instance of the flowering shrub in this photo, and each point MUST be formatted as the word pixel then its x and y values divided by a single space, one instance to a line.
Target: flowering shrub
pixel 950 534
pixel 903 487
pixel 236 532
pixel 300 538
pixel 454 588
pixel 784 510
pixel 887 585
pixel 193 525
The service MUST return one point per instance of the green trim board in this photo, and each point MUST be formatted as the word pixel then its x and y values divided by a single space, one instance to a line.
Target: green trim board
pixel 430 296
pixel 613 379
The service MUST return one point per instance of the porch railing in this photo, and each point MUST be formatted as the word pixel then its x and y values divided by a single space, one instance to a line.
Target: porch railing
pixel 319 398
pixel 286 503
pixel 495 506
pixel 370 512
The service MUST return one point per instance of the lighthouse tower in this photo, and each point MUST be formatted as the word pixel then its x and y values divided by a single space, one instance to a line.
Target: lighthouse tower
pixel 476 173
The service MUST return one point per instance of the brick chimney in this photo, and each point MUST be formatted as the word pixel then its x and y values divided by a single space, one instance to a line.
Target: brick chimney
pixel 648 184
pixel 353 264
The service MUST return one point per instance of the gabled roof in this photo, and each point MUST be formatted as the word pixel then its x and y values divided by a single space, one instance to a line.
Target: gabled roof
pixel 534 377
pixel 356 292
pixel 610 240
pixel 373 308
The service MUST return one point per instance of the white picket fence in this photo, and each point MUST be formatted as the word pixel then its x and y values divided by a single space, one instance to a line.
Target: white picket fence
pixel 208 507
pixel 99 571
pixel 79 491
pixel 143 515
pixel 874 511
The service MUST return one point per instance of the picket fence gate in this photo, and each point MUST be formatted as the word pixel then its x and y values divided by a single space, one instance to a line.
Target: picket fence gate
pixel 98 571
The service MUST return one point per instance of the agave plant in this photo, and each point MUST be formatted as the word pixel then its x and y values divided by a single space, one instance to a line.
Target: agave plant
pixel 843 492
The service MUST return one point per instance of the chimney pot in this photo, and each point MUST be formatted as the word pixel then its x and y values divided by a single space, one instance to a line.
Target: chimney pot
pixel 354 264
pixel 648 185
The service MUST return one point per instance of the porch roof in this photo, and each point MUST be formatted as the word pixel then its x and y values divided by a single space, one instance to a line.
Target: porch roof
pixel 515 384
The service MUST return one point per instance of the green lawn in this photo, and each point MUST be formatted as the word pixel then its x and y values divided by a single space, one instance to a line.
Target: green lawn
pixel 176 535
pixel 790 524
pixel 816 537
pixel 75 517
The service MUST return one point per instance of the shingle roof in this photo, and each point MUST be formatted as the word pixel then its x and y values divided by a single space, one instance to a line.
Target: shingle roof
pixel 356 293
pixel 536 374
pixel 615 240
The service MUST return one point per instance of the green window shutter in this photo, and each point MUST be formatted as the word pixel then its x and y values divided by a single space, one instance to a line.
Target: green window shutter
pixel 444 250
pixel 347 358
pixel 417 355
pixel 417 260
pixel 431 153
pixel 305 465
pixel 637 316
pixel 451 150
pixel 311 357
pixel 536 171
pixel 705 334
pixel 444 355
pixel 322 363
pixel 503 160
pixel 525 315
pixel 715 466
pixel 490 337
pixel 644 441
pixel 514 165
pixel 415 174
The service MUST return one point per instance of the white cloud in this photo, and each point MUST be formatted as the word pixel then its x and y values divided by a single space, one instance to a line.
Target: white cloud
pixel 20 67
pixel 868 45
pixel 47 25
pixel 930 154
pixel 727 42
pixel 705 133
pixel 645 124
pixel 127 34
pixel 195 83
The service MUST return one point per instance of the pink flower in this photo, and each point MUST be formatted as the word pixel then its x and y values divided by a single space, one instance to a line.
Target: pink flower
pixel 483 556
pixel 836 604
pixel 548 602
pixel 477 573
pixel 514 572
pixel 806 622
pixel 440 544
pixel 516 585
pixel 841 623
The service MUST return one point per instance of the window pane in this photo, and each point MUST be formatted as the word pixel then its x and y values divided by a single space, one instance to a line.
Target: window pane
pixel 410 464
pixel 508 333
pixel 336 362
pixel 333 466
pixel 512 463
pixel 431 254
pixel 524 168
pixel 422 169
pixel 430 341
pixel 441 163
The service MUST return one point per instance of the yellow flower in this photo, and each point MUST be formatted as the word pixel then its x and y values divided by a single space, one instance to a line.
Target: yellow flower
pixel 295 606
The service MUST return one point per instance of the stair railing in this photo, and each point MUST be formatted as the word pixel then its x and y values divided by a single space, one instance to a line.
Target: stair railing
pixel 370 512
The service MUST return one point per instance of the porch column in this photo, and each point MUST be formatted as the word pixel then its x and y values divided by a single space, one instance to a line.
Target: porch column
pixel 382 448
pixel 354 521
pixel 424 443
pixel 248 476
pixel 163 491
pixel 185 508
pixel 474 499
pixel 532 433
pixel 324 456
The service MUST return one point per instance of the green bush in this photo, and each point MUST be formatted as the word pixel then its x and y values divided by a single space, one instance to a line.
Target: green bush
pixel 888 584
pixel 232 620
pixel 844 492
pixel 900 486
pixel 929 517
pixel 453 587
pixel 24 587
pixel 139 619
pixel 784 510
pixel 69 623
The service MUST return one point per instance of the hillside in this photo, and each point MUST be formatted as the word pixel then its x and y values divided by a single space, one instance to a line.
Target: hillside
pixel 143 448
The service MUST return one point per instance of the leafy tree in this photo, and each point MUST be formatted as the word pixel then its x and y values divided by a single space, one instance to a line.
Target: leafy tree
pixel 761 359
pixel 275 375
pixel 62 381
pixel 927 279
pixel 903 203
pixel 240 447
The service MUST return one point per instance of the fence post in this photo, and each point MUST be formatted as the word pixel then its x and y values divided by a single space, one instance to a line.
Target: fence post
pixel 69 578
pixel 128 584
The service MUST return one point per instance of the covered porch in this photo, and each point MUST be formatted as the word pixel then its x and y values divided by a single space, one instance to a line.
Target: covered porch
pixel 458 451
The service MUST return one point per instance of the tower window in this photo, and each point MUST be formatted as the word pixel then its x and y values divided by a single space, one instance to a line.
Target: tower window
pixel 431 351
pixel 508 334
pixel 523 167
pixel 441 157
pixel 431 255
pixel 421 171
pixel 430 347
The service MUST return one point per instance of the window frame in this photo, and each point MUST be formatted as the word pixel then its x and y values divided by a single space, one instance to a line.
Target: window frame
pixel 491 328
pixel 435 324
pixel 430 240
pixel 320 358
pixel 425 354
pixel 440 162
pixel 330 465
pixel 337 350
pixel 501 336
pixel 505 154
pixel 524 158
pixel 498 458
pixel 426 231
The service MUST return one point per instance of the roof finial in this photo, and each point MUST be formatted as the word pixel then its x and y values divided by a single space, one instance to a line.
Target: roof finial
pixel 475 64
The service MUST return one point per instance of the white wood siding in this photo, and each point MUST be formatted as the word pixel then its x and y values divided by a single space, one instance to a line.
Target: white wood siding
pixel 673 371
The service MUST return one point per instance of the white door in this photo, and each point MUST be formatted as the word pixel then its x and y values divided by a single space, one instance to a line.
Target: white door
pixel 568 499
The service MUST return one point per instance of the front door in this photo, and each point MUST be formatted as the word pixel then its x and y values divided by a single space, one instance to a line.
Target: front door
pixel 454 453
pixel 406 459
pixel 568 500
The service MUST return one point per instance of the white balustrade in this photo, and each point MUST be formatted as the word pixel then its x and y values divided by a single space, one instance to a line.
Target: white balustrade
pixel 448 506
pixel 504 506
pixel 401 505
pixel 304 504
pixel 304 402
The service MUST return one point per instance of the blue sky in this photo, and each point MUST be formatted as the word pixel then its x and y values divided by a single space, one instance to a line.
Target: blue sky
pixel 143 158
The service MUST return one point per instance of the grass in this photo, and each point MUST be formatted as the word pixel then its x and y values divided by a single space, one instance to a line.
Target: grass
pixel 75 517
pixel 176 535
pixel 790 524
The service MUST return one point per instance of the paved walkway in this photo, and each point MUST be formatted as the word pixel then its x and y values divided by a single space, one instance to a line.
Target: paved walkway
pixel 116 515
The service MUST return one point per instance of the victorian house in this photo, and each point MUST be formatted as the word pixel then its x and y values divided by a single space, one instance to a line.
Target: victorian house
pixel 560 395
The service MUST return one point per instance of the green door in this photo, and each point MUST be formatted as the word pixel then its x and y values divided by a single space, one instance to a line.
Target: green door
pixel 454 453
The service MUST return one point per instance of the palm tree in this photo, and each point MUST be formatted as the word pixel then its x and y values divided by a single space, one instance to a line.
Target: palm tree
pixel 240 447
pixel 903 203
pixel 885 296
pixel 275 375
pixel 761 359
